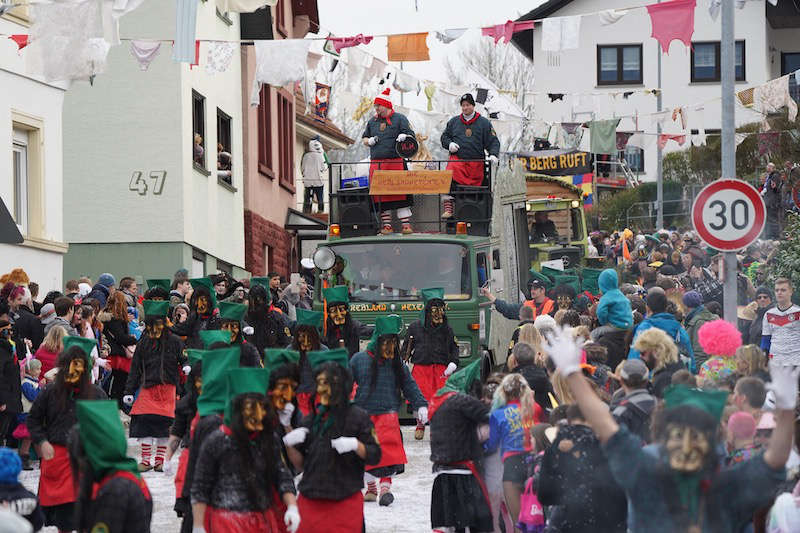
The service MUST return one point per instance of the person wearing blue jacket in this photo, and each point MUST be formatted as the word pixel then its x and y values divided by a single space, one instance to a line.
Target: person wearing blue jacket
pixel 614 308
pixel 658 318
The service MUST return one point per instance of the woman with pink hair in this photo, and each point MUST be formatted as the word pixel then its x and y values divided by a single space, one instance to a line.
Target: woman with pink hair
pixel 720 340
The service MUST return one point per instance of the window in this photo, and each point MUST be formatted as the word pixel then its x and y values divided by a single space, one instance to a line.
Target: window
pixel 19 195
pixel 634 157
pixel 267 259
pixel 222 266
pixel 619 64
pixel 265 132
pixel 280 17
pixel 199 129
pixel 224 150
pixel 198 264
pixel 790 62
pixel 286 140
pixel 705 61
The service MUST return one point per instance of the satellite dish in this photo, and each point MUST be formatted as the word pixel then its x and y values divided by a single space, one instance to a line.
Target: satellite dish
pixel 324 258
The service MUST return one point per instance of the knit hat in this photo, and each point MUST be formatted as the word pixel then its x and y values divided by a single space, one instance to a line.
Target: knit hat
pixel 742 425
pixel 336 295
pixel 719 337
pixel 163 283
pixel 240 381
pixel 232 312
pixel 155 308
pixel 764 290
pixel 47 314
pixel 216 364
pixel 106 280
pixel 10 466
pixel 103 438
pixel 339 355
pixel 466 97
pixel 275 357
pixel 692 299
pixel 544 322
pixel 384 98
pixel 213 336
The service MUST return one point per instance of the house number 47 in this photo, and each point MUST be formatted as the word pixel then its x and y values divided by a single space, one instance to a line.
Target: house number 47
pixel 139 183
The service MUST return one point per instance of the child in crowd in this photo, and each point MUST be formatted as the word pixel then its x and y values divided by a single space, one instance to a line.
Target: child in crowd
pixel 30 390
pixel 134 328
pixel 13 496
pixel 614 309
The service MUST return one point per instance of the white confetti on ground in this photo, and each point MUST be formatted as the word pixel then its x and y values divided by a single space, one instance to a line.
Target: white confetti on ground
pixel 410 512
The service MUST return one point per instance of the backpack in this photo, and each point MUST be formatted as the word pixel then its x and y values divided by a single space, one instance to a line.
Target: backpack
pixel 635 419
pixel 683 352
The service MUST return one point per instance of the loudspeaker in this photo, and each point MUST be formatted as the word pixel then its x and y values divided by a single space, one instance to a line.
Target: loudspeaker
pixel 354 213
pixel 473 206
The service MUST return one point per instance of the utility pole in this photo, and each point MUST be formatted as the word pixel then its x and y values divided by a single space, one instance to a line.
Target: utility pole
pixel 728 74
pixel 660 164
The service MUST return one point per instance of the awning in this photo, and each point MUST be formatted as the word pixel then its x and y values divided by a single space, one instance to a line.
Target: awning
pixel 297 221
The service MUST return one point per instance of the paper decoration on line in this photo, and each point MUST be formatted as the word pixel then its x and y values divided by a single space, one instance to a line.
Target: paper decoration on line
pixel 430 91
pixel 672 20
pixel 20 39
pixel 680 113
pixel 555 96
pixel 363 108
pixel 328 47
pixel 773 96
pixel 312 61
pixel 279 63
pixel 665 137
pixel 243 6
pixel 507 30
pixel 408 47
pixel 448 36
pixel 184 48
pixel 610 16
pixel 340 43
pixel 404 82
pixel 220 55
pixel 768 142
pixel 603 136
pixel 196 55
pixel 322 95
pixel 561 33
pixel 144 52
pixel 715 5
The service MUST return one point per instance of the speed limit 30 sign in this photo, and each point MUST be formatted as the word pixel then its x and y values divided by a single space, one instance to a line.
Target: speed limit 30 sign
pixel 728 214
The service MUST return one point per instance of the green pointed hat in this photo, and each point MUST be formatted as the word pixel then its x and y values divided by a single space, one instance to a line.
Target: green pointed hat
pixel 385 325
pixel 339 355
pixel 83 343
pixel 434 293
pixel 232 311
pixel 205 282
pixel 155 308
pixel 163 283
pixel 338 294
pixel 264 282
pixel 194 355
pixel 462 379
pixel 216 364
pixel 309 318
pixel 275 357
pixel 710 401
pixel 103 438
pixel 211 336
pixel 242 381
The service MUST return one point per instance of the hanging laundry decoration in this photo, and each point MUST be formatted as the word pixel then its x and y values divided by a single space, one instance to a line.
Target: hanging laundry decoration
pixel 769 142
pixel 430 90
pixel 627 94
pixel 328 47
pixel 408 47
pixel 404 82
pixel 220 55
pixel 196 55
pixel 481 95
pixel 363 108
pixel 622 139
pixel 279 63
pixel 679 112
pixel 340 43
pixel 507 30
pixel 740 137
pixel 243 6
pixel 745 97
pixel 375 70
pixel 610 16
pixel 555 96
pixel 20 39
pixel 322 97
pixel 448 36
pixel 640 140
pixel 184 47
pixel 312 61
pixel 664 137
pixel 774 96
pixel 715 5
pixel 603 136
pixel 560 33
pixel 144 52
pixel 672 20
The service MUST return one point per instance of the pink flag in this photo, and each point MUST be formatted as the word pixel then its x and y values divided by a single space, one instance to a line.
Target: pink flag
pixel 672 20
pixel 20 39
pixel 507 30
pixel 346 42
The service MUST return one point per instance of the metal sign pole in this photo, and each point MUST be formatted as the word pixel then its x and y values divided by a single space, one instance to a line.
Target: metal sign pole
pixel 728 74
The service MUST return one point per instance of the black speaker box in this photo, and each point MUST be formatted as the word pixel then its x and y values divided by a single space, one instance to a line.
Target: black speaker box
pixel 356 217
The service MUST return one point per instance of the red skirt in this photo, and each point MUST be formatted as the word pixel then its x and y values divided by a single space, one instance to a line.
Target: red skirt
pixel 158 400
pixel 468 173
pixel 225 521
pixel 429 378
pixel 387 427
pixel 331 516
pixel 180 474
pixel 387 164
pixel 55 480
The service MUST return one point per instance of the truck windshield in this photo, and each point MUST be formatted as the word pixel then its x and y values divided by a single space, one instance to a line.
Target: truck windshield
pixel 395 271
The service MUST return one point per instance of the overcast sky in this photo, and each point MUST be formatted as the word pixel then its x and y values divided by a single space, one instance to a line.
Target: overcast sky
pixel 351 17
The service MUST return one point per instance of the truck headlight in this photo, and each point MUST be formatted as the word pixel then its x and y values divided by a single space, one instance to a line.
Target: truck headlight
pixel 464 348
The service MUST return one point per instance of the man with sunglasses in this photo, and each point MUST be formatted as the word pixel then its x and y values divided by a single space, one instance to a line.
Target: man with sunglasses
pixel 765 302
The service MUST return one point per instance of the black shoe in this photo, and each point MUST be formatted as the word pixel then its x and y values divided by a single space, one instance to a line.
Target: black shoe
pixel 26 462
pixel 386 499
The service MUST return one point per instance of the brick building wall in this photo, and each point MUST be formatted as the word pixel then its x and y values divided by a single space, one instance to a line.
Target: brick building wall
pixel 259 232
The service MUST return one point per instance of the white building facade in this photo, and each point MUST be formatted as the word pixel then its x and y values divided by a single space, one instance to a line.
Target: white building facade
pixel 624 57
pixel 31 162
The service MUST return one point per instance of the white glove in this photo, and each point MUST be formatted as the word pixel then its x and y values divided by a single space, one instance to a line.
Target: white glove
pixel 345 444
pixel 564 351
pixel 291 517
pixel 285 414
pixel 168 468
pixel 198 529
pixel 493 159
pixel 295 437
pixel 422 415
pixel 453 148
pixel 402 137
pixel 248 330
pixel 127 400
pixel 372 141
pixel 186 370
pixel 451 367
pixel 783 385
